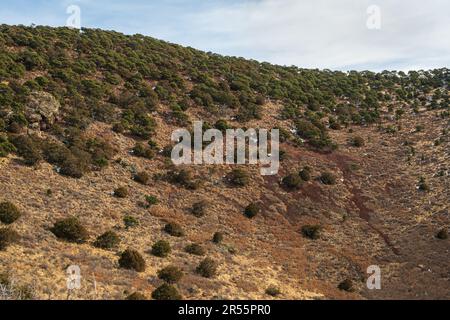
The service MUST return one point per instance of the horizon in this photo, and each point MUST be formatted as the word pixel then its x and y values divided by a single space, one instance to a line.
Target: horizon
pixel 368 35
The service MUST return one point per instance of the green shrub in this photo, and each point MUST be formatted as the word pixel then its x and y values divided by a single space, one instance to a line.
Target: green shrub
pixel 140 150
pixel 207 268
pixel 9 213
pixel 442 234
pixel 251 210
pixel 121 192
pixel 423 185
pixel 70 229
pixel 151 200
pixel 133 260
pixel 217 237
pixel 7 237
pixel 311 231
pixel 130 221
pixel 199 209
pixel 6 147
pixel 184 178
pixel 273 291
pixel 195 249
pixel 346 285
pixel 357 141
pixel 170 274
pixel 174 229
pixel 136 296
pixel 292 181
pixel 28 149
pixel 328 178
pixel 142 177
pixel 161 249
pixel 238 178
pixel 107 240
pixel 305 174
pixel 166 292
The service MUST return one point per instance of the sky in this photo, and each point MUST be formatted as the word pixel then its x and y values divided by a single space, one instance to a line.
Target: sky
pixel 326 34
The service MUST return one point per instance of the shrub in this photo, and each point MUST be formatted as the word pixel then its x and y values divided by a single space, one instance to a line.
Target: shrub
pixel 207 268
pixel 311 231
pixel 195 249
pixel 136 296
pixel 133 260
pixel 217 237
pixel 238 178
pixel 170 274
pixel 166 292
pixel 140 150
pixel 174 229
pixel 130 222
pixel 108 240
pixel 305 174
pixel 151 200
pixel 273 291
pixel 6 147
pixel 251 210
pixel 184 178
pixel 346 285
pixel 28 149
pixel 7 237
pixel 423 185
pixel 9 213
pixel 121 192
pixel 142 177
pixel 199 209
pixel 70 229
pixel 357 141
pixel 161 249
pixel 118 127
pixel 292 181
pixel 328 178
pixel 442 234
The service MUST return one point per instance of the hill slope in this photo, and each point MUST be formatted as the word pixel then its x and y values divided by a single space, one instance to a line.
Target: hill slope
pixel 83 114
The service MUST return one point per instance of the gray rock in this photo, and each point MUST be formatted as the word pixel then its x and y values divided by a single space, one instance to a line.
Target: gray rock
pixel 42 109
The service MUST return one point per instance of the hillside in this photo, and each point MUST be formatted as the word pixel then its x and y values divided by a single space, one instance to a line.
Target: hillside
pixel 85 129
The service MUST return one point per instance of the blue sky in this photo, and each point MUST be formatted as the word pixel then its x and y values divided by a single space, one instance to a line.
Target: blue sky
pixel 321 34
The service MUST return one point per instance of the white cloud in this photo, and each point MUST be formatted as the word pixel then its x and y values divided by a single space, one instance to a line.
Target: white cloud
pixel 329 33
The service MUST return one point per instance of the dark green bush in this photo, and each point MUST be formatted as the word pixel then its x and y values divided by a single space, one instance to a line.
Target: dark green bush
pixel 151 200
pixel 166 292
pixel 207 268
pixel 195 249
pixel 130 221
pixel 357 141
pixel 346 285
pixel 6 147
pixel 273 291
pixel 305 174
pixel 9 213
pixel 174 229
pixel 311 231
pixel 70 229
pixel 107 240
pixel 136 296
pixel 199 209
pixel 423 185
pixel 170 274
pixel 133 260
pixel 7 237
pixel 217 237
pixel 328 178
pixel 292 181
pixel 238 178
pixel 161 249
pixel 140 150
pixel 442 234
pixel 251 210
pixel 29 149
pixel 121 192
pixel 142 177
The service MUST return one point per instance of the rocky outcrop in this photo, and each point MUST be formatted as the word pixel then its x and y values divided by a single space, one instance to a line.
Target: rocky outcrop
pixel 42 110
